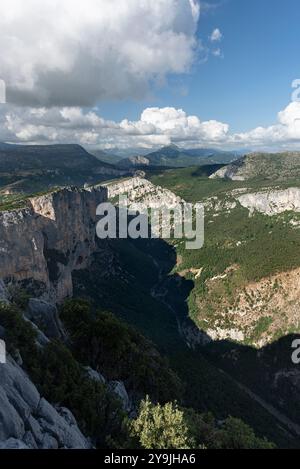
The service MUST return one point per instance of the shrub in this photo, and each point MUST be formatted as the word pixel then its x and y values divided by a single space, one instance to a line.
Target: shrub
pixel 161 427
pixel 19 334
pixel 118 351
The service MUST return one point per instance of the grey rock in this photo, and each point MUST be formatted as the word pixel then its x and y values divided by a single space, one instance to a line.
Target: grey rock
pixel 28 420
pixel 18 358
pixel 67 415
pixel 13 443
pixel 94 375
pixel 35 429
pixel 272 202
pixel 118 388
pixel 11 424
pixel 46 411
pixel 29 441
pixel 45 316
pixel 57 227
pixel 68 435
pixel 13 379
pixel 41 339
pixel 49 442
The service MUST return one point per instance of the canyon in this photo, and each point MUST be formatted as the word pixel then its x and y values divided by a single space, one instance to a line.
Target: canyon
pixel 42 244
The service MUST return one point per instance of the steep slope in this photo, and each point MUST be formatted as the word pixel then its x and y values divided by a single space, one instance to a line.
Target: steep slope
pixel 251 248
pixel 273 167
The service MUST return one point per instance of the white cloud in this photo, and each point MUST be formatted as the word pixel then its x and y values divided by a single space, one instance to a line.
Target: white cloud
pixel 216 35
pixel 284 134
pixel 217 53
pixel 69 52
pixel 156 126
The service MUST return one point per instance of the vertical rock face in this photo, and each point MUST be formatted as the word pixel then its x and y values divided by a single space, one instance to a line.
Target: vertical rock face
pixel 43 243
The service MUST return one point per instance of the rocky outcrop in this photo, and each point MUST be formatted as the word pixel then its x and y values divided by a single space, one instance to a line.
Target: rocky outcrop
pixel 118 388
pixel 234 171
pixel 45 316
pixel 133 161
pixel 271 166
pixel 143 191
pixel 27 420
pixel 272 202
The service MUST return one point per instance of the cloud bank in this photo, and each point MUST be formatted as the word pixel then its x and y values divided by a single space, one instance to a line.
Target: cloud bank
pixel 75 53
pixel 155 127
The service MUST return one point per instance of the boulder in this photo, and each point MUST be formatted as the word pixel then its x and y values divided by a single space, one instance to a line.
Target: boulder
pixel 13 443
pixel 45 316
pixel 94 375
pixel 118 388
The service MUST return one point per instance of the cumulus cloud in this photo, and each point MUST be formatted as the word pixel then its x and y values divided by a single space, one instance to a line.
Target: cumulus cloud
pixel 69 52
pixel 285 133
pixel 156 126
pixel 216 35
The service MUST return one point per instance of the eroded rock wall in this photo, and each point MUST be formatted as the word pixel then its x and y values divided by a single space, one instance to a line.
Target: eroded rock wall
pixel 45 242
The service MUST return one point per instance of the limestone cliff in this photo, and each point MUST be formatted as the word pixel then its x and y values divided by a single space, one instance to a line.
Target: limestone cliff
pixel 43 243
pixel 141 190
pixel 272 202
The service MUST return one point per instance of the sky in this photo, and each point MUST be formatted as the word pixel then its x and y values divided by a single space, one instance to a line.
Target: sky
pixel 130 74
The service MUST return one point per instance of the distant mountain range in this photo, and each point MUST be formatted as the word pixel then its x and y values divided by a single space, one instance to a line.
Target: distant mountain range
pixel 31 168
pixel 34 168
pixel 175 157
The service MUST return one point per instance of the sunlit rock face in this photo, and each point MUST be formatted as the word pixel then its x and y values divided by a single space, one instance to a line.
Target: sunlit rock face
pixel 45 242
pixel 272 202
pixel 140 190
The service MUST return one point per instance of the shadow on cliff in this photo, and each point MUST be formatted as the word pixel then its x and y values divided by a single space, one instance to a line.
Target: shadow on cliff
pixel 135 280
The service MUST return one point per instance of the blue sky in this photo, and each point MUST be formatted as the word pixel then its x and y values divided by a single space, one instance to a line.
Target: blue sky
pixel 130 74
pixel 251 83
